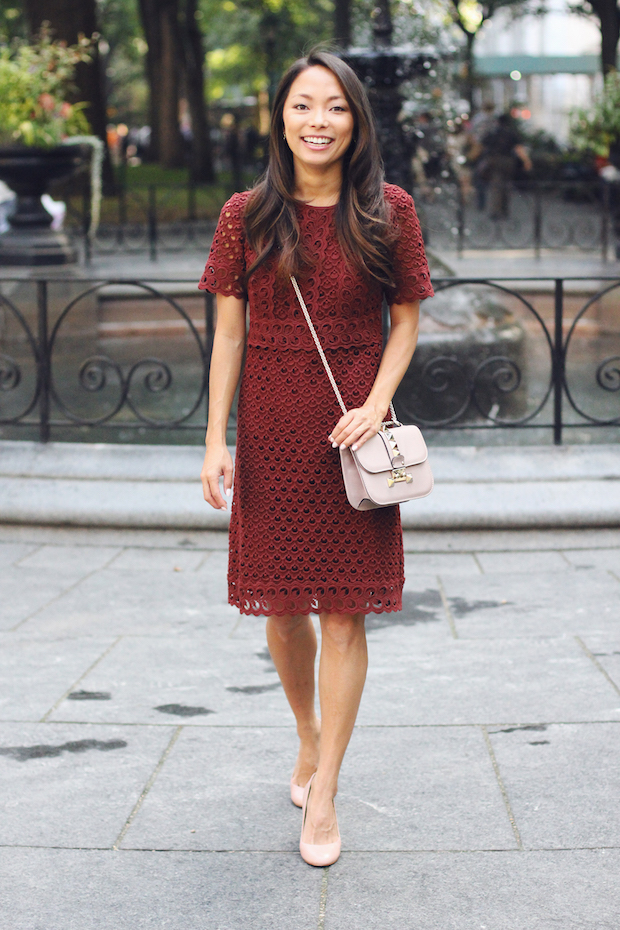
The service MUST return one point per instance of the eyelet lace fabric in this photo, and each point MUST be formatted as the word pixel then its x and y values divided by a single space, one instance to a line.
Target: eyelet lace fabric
pixel 296 545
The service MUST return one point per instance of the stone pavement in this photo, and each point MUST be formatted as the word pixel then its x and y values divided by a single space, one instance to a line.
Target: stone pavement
pixel 146 744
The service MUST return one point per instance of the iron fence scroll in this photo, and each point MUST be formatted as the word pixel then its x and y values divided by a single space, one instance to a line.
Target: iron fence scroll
pixel 530 363
pixel 56 379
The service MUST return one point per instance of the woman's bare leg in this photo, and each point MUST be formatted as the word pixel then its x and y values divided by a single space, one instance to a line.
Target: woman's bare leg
pixel 342 673
pixel 292 644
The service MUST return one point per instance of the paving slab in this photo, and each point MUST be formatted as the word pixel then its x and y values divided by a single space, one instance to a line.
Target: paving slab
pixel 135 559
pixel 76 561
pixel 537 604
pixel 562 782
pixel 422 608
pixel 416 788
pixel 602 559
pixel 199 679
pixel 36 671
pixel 412 683
pixel 65 889
pixel 101 535
pixel 418 540
pixel 492 891
pixel 222 789
pixel 606 651
pixel 11 552
pixel 521 562
pixel 73 785
pixel 437 562
pixel 25 591
pixel 140 602
pixel 513 540
pixel 437 791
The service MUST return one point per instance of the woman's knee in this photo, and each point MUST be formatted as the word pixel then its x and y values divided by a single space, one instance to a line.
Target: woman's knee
pixel 286 627
pixel 343 629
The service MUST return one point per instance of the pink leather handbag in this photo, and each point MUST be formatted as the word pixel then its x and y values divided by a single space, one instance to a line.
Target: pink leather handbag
pixel 390 468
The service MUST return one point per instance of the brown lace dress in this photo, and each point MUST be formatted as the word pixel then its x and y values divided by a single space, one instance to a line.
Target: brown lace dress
pixel 296 545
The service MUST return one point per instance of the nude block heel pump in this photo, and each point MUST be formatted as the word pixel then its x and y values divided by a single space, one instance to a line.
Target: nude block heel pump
pixel 297 794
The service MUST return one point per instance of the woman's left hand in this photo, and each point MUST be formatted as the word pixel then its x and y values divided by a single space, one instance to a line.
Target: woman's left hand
pixel 356 427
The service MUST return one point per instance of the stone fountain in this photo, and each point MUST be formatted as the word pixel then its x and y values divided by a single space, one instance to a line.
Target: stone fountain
pixel 383 68
pixel 470 361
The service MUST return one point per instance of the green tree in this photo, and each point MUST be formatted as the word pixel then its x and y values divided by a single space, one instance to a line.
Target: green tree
pixel 175 66
pixel 123 50
pixel 192 41
pixel 12 20
pixel 160 21
pixel 251 42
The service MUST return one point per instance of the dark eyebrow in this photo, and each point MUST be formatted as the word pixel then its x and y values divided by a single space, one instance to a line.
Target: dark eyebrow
pixel 329 99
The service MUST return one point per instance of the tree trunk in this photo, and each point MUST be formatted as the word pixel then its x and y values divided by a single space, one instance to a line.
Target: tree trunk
pixel 68 19
pixel 201 162
pixel 609 17
pixel 342 23
pixel 170 139
pixel 151 24
pixel 164 62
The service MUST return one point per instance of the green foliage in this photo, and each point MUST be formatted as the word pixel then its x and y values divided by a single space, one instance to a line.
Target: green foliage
pixel 598 128
pixel 35 81
pixel 12 20
pixel 251 42
pixel 123 49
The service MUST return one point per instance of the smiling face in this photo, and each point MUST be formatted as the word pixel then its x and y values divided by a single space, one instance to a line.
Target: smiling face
pixel 318 121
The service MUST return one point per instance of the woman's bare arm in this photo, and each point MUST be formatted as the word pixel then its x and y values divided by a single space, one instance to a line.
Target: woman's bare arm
pixel 226 359
pixel 358 426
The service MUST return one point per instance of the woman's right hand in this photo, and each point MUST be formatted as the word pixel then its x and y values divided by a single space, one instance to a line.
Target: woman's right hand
pixel 218 461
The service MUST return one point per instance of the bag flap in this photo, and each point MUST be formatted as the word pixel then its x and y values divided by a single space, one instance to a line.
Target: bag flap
pixel 376 455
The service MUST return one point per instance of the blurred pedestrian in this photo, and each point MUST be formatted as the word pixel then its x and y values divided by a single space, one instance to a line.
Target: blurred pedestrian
pixel 462 151
pixel 502 149
pixel 481 124
pixel 428 155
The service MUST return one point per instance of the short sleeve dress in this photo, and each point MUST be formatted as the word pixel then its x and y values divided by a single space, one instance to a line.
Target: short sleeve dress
pixel 296 546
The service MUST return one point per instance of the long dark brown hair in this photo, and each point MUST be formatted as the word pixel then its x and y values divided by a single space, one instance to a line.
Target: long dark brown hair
pixel 362 216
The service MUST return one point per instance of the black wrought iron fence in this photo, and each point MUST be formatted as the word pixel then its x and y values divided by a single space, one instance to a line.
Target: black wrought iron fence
pixel 546 215
pixel 152 218
pixel 82 357
pixel 538 216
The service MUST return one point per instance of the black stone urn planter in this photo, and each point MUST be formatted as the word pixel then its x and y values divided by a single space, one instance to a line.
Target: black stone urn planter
pixel 29 171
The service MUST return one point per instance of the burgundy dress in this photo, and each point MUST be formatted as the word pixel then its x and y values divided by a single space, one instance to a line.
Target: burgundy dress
pixel 296 544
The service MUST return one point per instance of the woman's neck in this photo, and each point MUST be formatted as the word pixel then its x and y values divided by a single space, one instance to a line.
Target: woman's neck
pixel 321 188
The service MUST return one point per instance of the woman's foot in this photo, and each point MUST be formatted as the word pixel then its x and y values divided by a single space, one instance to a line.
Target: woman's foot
pixel 307 762
pixel 320 838
pixel 320 824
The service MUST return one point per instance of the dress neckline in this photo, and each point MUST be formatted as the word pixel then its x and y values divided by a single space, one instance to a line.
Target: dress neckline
pixel 312 206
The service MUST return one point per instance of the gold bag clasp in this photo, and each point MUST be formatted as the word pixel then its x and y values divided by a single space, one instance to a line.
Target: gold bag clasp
pixel 398 474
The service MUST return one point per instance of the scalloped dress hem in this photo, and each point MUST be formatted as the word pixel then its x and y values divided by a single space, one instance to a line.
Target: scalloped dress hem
pixel 260 607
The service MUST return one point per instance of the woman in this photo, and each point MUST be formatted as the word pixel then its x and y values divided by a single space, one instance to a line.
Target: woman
pixel 322 213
